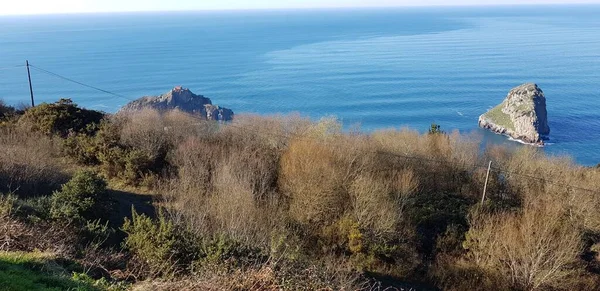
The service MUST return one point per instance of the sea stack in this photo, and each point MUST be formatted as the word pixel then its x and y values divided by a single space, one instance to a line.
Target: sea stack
pixel 182 99
pixel 522 115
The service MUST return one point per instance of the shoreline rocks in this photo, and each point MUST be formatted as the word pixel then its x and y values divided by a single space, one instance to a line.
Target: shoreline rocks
pixel 522 115
pixel 182 99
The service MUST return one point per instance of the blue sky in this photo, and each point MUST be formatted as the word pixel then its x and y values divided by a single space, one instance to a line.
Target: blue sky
pixel 12 7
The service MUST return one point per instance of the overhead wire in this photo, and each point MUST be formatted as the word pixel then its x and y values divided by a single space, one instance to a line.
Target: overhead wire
pixel 12 67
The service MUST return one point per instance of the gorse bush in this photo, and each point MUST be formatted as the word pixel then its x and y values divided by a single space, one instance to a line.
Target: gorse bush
pixel 60 118
pixel 164 247
pixel 80 198
pixel 127 148
pixel 8 205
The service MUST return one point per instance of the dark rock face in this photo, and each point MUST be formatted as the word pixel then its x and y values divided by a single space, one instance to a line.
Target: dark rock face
pixel 522 115
pixel 184 100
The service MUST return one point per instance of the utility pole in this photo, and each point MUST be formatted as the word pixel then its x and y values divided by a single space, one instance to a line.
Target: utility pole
pixel 30 86
pixel 487 176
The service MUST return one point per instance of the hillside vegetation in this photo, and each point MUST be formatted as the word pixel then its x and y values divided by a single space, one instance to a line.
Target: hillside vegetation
pixel 150 201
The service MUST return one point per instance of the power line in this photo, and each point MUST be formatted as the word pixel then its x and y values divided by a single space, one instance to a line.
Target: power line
pixel 285 136
pixel 79 83
pixel 11 67
pixel 545 180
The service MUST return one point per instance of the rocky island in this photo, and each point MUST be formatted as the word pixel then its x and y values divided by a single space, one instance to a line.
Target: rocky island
pixel 522 115
pixel 184 100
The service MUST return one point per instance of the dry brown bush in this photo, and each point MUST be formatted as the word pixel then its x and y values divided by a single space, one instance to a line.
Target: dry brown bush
pixel 378 202
pixel 180 126
pixel 535 249
pixel 312 178
pixel 253 180
pixel 16 235
pixel 145 131
pixel 226 185
pixel 29 162
pixel 443 163
pixel 273 131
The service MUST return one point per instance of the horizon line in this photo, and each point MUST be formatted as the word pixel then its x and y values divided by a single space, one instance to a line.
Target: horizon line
pixel 301 8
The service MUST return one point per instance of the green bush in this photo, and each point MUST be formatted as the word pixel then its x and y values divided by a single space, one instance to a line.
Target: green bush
pixel 35 209
pixel 436 129
pixel 7 204
pixel 129 166
pixel 82 148
pixel 117 159
pixel 434 213
pixel 165 248
pixel 80 198
pixel 137 163
pixel 61 118
pixel 100 284
pixel 224 249
pixel 96 233
pixel 93 148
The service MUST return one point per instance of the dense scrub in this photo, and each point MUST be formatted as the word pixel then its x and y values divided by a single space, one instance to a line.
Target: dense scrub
pixel 283 202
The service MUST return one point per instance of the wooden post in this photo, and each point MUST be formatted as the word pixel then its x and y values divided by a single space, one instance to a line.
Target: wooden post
pixel 30 86
pixel 487 176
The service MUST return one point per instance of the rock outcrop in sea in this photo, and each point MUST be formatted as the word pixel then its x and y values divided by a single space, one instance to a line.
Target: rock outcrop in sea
pixel 522 115
pixel 184 100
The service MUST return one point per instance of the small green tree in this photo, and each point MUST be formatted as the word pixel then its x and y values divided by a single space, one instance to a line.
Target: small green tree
pixel 435 129
pixel 80 198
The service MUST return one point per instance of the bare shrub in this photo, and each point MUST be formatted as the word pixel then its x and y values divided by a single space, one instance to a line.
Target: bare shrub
pixel 372 206
pixel 145 131
pixel 29 164
pixel 273 131
pixel 534 249
pixel 443 162
pixel 179 126
pixel 226 186
pixel 378 203
pixel 313 180
pixel 234 209
pixel 284 183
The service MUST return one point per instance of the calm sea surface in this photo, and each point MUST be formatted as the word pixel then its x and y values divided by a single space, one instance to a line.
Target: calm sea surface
pixel 377 68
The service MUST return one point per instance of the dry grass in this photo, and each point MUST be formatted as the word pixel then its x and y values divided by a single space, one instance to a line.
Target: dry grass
pixel 267 276
pixel 29 162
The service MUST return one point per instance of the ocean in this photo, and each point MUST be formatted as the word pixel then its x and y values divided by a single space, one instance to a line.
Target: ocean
pixel 373 68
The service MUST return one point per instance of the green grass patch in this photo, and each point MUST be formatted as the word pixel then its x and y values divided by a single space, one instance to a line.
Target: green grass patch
pixel 36 272
pixel 496 116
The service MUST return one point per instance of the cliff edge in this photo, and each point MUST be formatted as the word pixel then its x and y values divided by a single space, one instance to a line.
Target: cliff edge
pixel 522 115
pixel 184 100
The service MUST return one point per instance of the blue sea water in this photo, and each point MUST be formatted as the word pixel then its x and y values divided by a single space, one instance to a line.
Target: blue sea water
pixel 379 68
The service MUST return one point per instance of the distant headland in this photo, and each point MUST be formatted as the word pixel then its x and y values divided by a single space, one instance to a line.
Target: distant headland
pixel 184 100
